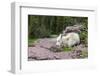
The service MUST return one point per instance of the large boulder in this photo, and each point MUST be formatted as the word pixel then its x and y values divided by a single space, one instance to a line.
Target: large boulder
pixel 38 53
pixel 74 28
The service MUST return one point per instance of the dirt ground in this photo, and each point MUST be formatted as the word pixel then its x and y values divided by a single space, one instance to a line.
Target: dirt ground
pixel 40 51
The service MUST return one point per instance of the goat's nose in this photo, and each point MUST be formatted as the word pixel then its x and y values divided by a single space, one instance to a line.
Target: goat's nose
pixel 56 45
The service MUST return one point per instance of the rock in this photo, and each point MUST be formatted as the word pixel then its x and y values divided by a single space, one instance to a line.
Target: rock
pixel 56 49
pixel 46 43
pixel 76 54
pixel 47 50
pixel 81 47
pixel 63 55
pixel 39 53
pixel 75 28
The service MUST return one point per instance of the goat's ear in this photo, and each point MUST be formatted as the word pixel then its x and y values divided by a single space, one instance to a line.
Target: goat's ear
pixel 61 35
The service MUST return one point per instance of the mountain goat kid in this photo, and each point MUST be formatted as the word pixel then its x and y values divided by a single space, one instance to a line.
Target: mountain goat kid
pixel 69 40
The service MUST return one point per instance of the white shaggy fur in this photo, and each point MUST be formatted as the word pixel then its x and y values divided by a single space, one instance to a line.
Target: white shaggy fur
pixel 69 40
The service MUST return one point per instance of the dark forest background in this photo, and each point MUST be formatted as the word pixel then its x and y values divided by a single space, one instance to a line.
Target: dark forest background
pixel 40 26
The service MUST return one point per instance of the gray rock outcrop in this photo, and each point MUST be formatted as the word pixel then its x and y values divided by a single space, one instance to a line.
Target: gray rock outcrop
pixel 75 28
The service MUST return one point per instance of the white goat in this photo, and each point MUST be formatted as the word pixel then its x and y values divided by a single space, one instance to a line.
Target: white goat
pixel 69 40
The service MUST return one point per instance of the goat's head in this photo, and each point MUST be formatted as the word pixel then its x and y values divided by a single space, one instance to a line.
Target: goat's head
pixel 59 40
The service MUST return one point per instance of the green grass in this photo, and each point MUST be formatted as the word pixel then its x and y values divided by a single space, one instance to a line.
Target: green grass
pixel 84 54
pixel 67 49
pixel 32 41
pixel 53 36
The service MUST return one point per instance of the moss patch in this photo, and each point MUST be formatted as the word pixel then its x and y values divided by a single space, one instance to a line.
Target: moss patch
pixel 84 54
pixel 67 49
pixel 31 41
